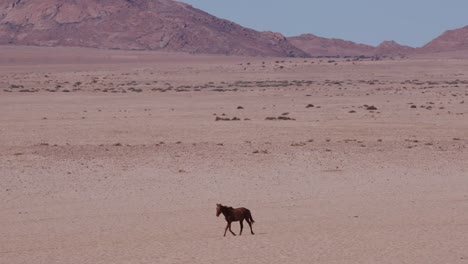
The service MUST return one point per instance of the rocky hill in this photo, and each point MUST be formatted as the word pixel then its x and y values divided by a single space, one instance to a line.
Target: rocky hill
pixel 164 25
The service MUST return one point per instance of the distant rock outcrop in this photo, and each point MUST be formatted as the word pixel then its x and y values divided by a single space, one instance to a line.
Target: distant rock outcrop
pixel 391 48
pixel 164 25
pixel 318 46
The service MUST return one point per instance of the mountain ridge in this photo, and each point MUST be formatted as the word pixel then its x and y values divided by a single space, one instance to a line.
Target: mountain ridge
pixel 173 26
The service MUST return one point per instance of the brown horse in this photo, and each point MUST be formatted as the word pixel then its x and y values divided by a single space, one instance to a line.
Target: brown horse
pixel 234 215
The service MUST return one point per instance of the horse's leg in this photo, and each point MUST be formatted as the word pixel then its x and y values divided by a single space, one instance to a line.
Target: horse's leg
pixel 229 225
pixel 242 226
pixel 225 230
pixel 250 224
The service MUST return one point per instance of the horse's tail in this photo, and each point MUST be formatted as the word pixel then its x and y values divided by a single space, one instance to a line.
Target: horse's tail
pixel 249 214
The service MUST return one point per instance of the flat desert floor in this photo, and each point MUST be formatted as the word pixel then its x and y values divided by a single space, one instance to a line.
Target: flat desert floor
pixel 120 157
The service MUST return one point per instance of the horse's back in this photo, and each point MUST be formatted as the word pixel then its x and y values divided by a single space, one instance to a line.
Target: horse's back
pixel 242 209
pixel 243 212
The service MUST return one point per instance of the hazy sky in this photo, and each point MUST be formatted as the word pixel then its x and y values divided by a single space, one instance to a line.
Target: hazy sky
pixel 409 22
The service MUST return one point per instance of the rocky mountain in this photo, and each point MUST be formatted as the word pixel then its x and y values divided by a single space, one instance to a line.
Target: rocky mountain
pixel 164 25
pixel 452 40
pixel 169 25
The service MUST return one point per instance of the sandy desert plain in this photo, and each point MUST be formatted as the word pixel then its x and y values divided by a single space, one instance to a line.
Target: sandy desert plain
pixel 117 157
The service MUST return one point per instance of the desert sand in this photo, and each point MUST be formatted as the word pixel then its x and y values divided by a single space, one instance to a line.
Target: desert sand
pixel 117 157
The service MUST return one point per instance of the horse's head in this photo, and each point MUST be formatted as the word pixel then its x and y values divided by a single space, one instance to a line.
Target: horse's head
pixel 218 209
